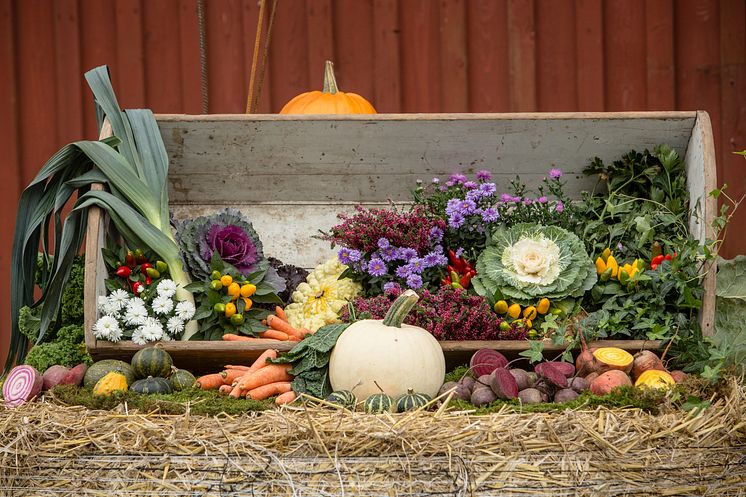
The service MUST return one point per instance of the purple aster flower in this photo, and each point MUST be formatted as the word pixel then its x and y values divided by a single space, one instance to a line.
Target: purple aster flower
pixel 474 195
pixel 506 198
pixel 459 252
pixel 515 199
pixel 436 234
pixel 542 200
pixel 406 253
pixel 388 254
pixel 376 267
pixel 484 175
pixel 444 189
pixel 527 201
pixel 490 215
pixel 452 206
pixel 344 255
pixel 414 281
pixel 436 181
pixel 354 255
pixel 457 178
pixel 456 220
pixel 416 265
pixel 403 271
pixel 559 207
pixel 487 189
pixel 555 174
pixel 470 185
pixel 434 260
pixel 383 243
pixel 391 286
pixel 467 206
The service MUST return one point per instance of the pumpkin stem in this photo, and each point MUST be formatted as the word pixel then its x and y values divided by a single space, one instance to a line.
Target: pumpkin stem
pixel 330 81
pixel 400 308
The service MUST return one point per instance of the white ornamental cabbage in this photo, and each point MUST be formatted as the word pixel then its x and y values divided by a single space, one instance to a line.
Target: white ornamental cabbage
pixel 529 261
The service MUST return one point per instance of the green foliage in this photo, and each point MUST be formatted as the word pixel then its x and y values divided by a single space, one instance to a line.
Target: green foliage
pixel 458 373
pixel 535 352
pixel 569 274
pixel 730 314
pixel 68 349
pixel 72 296
pixel 310 360
pixel 192 400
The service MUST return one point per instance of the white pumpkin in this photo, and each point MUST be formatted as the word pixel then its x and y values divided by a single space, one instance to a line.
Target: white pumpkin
pixel 385 355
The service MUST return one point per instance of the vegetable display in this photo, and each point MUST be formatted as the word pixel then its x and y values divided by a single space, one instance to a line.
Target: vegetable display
pixel 22 384
pixel 110 383
pixel 152 361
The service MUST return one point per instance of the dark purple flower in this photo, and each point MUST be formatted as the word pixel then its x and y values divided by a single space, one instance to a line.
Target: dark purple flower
pixel 484 175
pixel 344 255
pixel 414 281
pixel 376 267
pixel 459 252
pixel 407 253
pixel 233 245
pixel 434 260
pixel 436 234
pixel 389 253
pixel 354 255
pixel 383 243
pixel 456 220
pixel 403 271
pixel 416 265
pixel 506 197
pixel 487 189
pixel 555 174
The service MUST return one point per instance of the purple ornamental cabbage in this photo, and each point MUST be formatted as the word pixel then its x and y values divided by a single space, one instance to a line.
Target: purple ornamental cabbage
pixel 233 245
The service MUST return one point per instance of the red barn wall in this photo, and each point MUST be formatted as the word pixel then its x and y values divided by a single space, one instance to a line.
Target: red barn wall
pixel 405 55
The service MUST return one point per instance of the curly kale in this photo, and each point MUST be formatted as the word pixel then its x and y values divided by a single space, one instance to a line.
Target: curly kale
pixel 68 349
pixel 72 295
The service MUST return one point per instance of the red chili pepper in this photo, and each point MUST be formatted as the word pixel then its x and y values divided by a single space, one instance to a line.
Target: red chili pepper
pixel 654 266
pixel 466 265
pixel 144 267
pixel 137 287
pixel 657 260
pixel 465 280
pixel 457 262
pixel 140 256
pixel 451 269
pixel 667 257
pixel 129 259
pixel 124 272
pixel 446 281
pixel 148 280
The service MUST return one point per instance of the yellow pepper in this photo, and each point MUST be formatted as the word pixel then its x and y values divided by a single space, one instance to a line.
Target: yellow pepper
pixel 234 290
pixel 607 266
pixel 529 313
pixel 230 309
pixel 514 311
pixel 226 280
pixel 543 306
pixel 248 290
pixel 248 303
pixel 501 307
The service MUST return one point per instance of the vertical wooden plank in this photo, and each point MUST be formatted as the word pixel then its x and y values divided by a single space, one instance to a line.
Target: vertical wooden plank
pixel 555 55
pixel 489 88
pixel 163 87
pixel 387 94
pixel 227 60
pixel 191 72
pixel 10 187
pixel 421 82
pixel 733 105
pixel 321 47
pixel 698 61
pixel 522 50
pixel 69 71
pixel 659 45
pixel 98 48
pixel 129 61
pixel 625 74
pixel 354 52
pixel 250 17
pixel 453 56
pixel 589 54
pixel 288 63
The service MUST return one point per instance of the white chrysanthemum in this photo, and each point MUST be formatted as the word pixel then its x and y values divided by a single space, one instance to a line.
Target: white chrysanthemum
pixel 118 299
pixel 137 337
pixel 166 288
pixel 106 328
pixel 107 308
pixel 151 330
pixel 166 338
pixel 136 301
pixel 162 305
pixel 175 326
pixel 115 334
pixel 185 310
pixel 533 260
pixel 102 303
pixel 135 315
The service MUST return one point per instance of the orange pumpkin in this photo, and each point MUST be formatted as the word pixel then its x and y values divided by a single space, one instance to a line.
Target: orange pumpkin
pixel 328 101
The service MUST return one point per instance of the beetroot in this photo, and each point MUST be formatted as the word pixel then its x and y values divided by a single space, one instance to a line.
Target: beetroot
pixel 545 387
pixel 565 368
pixel 585 363
pixel 468 382
pixel 544 396
pixel 565 395
pixel 579 384
pixel 483 381
pixel 532 378
pixel 22 384
pixel 53 376
pixel 549 372
pixel 645 360
pixel 530 396
pixel 460 391
pixel 610 380
pixel 678 375
pixel 482 396
pixel 75 375
pixel 485 361
pixel 521 378
pixel 504 384
pixel 591 377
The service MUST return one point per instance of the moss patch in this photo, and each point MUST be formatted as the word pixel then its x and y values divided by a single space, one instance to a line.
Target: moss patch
pixel 458 373
pixel 204 402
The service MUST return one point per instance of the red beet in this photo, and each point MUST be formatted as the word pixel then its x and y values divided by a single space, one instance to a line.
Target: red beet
pixel 485 361
pixel 521 378
pixel 551 374
pixel 459 390
pixel 645 360
pixel 75 375
pixel 53 376
pixel 530 396
pixel 565 395
pixel 565 368
pixel 678 375
pixel 468 382
pixel 482 396
pixel 585 363
pixel 579 384
pixel 504 384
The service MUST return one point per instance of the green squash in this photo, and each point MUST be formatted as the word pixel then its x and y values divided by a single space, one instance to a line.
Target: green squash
pixel 181 379
pixel 152 361
pixel 343 398
pixel 151 385
pixel 101 368
pixel 411 401
pixel 378 403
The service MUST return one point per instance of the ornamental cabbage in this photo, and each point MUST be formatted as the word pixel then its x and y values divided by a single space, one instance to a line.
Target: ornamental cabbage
pixel 528 261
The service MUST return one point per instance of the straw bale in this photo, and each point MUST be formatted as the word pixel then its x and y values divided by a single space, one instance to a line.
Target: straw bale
pixel 49 449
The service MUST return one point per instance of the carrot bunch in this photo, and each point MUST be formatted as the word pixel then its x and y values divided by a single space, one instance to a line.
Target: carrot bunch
pixel 279 329
pixel 258 381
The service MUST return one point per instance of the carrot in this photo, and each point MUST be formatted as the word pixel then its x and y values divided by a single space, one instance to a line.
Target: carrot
pixel 293 338
pixel 210 381
pixel 261 361
pixel 265 391
pixel 230 337
pixel 236 392
pixel 285 398
pixel 231 375
pixel 231 366
pixel 268 374
pixel 225 389
pixel 281 314
pixel 278 324
pixel 274 334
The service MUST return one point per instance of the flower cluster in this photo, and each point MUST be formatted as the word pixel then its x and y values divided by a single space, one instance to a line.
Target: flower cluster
pixel 448 314
pixel 386 247
pixel 161 317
